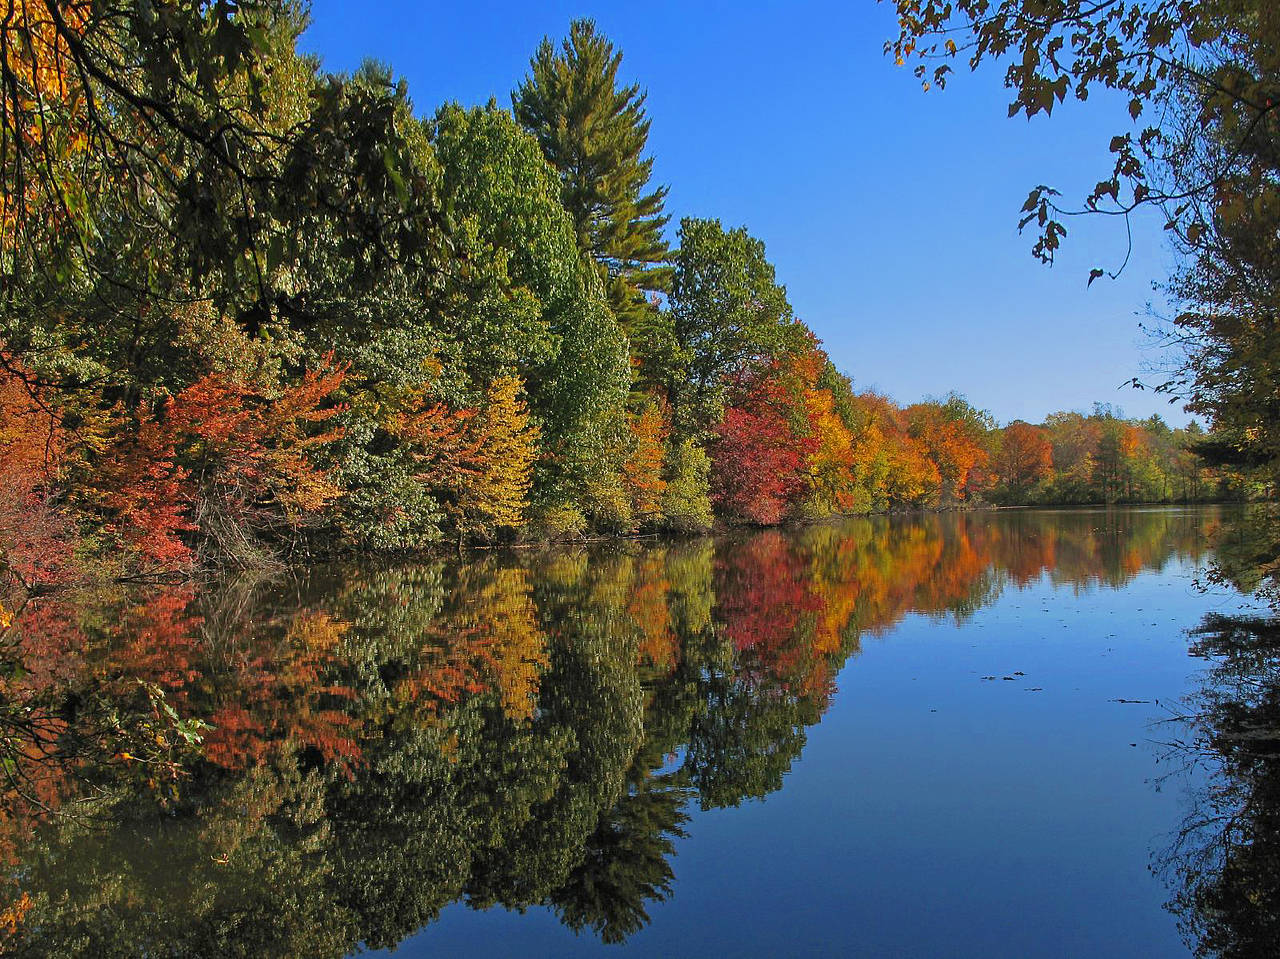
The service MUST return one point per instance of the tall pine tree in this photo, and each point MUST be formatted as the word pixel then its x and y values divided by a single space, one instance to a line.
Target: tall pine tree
pixel 594 133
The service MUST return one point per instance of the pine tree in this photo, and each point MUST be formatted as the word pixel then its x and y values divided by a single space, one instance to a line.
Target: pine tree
pixel 594 133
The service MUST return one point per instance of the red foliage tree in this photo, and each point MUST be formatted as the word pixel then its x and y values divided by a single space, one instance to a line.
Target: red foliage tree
pixel 759 454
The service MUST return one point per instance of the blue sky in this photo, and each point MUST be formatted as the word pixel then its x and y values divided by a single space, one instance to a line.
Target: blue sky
pixel 891 213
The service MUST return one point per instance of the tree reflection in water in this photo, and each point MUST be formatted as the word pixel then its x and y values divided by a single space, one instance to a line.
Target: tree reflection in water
pixel 1224 863
pixel 300 767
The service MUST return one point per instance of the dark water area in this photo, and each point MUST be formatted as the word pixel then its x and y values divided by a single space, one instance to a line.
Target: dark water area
pixel 1023 733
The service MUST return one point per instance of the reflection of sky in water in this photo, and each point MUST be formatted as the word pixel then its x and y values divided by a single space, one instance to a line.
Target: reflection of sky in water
pixel 936 812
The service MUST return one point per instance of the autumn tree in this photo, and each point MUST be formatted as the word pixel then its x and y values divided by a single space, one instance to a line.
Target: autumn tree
pixel 828 404
pixel 218 460
pixel 475 464
pixel 644 470
pixel 912 478
pixel 759 454
pixel 1023 457
pixel 36 537
pixel 831 482
pixel 888 466
pixel 953 434
pixel 497 494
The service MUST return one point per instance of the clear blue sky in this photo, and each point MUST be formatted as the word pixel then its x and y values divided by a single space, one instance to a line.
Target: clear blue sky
pixel 890 213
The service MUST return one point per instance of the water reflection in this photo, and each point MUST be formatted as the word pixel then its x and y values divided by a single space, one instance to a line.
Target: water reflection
pixel 300 767
pixel 1224 863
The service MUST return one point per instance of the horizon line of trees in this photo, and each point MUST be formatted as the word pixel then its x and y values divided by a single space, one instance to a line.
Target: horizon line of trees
pixel 251 307
pixel 1104 457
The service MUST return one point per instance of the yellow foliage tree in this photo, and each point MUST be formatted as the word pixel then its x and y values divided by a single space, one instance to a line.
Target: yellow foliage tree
pixel 831 478
pixel 497 494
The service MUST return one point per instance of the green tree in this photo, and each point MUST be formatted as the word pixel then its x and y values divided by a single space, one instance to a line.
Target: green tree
pixel 526 303
pixel 729 317
pixel 686 502
pixel 594 132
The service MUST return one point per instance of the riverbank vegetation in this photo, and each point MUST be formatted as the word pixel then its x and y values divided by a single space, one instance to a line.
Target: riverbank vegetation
pixel 253 309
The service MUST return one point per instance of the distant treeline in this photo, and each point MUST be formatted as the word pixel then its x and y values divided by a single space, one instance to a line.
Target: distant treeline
pixel 251 307
pixel 1105 458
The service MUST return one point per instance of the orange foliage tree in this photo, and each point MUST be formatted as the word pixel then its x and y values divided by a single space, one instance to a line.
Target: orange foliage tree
pixel 478 463
pixel 643 470
pixel 1023 457
pixel 953 439
pixel 35 538
pixel 218 458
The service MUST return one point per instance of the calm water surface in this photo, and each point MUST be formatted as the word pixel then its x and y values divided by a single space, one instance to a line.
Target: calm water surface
pixel 966 735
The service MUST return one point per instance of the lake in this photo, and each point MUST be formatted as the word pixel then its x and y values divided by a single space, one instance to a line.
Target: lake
pixel 976 734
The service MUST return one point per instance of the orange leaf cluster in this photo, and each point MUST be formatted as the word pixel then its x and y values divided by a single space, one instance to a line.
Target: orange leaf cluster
pixel 36 541
pixel 642 471
pixel 217 449
pixel 479 463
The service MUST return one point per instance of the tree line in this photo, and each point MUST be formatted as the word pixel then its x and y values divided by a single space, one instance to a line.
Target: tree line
pixel 250 307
